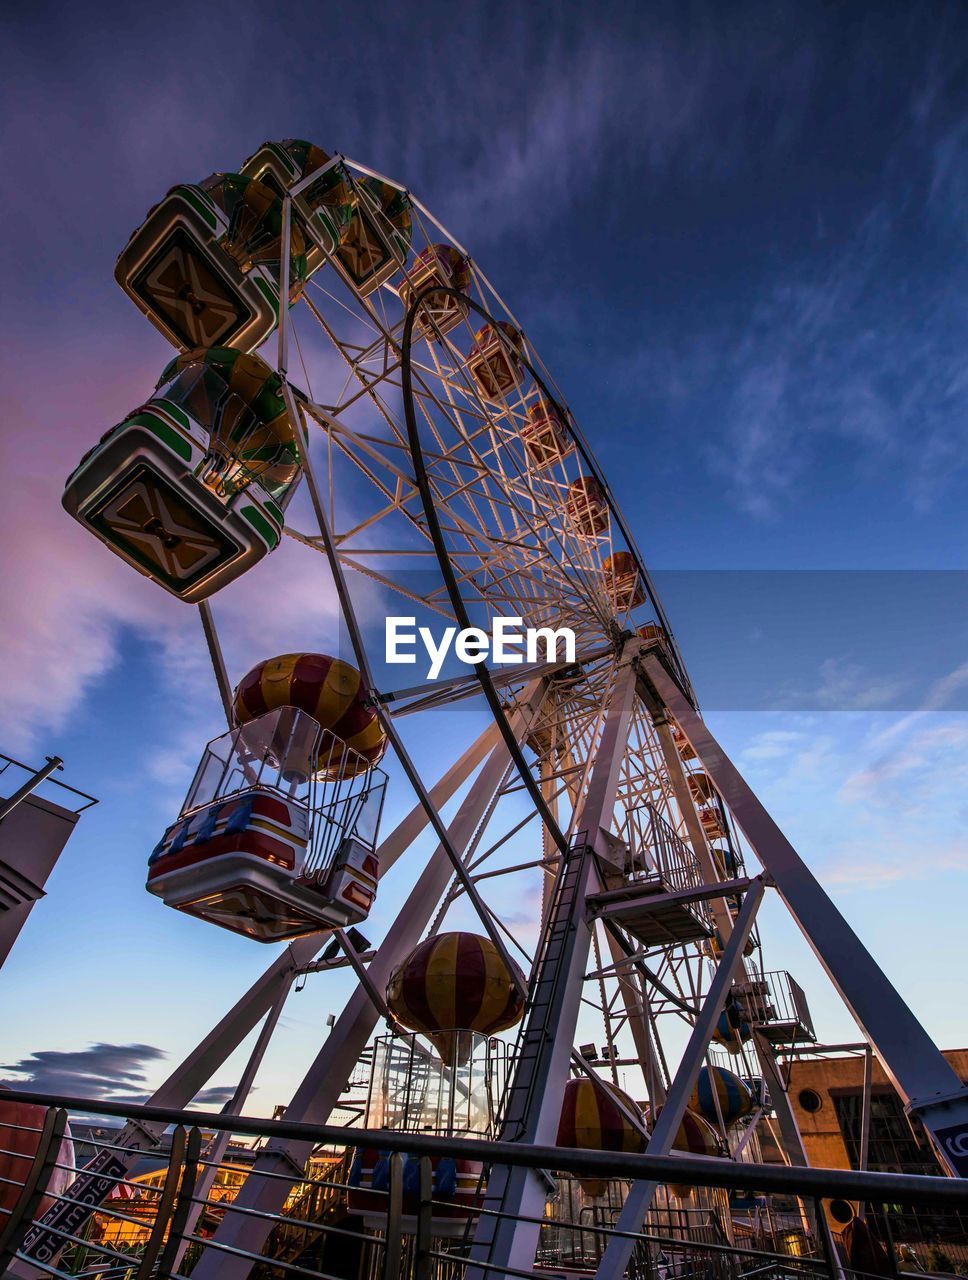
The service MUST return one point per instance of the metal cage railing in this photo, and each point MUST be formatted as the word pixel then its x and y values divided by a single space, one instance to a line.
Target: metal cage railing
pixel 138 1211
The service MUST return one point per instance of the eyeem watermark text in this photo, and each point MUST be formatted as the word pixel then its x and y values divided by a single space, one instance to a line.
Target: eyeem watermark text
pixel 508 642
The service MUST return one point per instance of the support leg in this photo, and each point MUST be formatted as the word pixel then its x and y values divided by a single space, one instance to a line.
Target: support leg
pixel 790 1136
pixel 617 1255
pixel 323 1083
pixel 914 1064
pixel 198 1067
pixel 216 1153
pixel 541 1075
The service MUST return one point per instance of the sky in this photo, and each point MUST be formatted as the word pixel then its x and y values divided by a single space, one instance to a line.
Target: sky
pixel 736 235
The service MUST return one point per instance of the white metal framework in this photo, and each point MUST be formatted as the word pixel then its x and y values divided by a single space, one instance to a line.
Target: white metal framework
pixel 448 476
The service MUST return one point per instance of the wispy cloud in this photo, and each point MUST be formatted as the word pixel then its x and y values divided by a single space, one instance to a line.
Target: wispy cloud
pixel 841 685
pixel 910 747
pixel 612 104
pixel 69 603
pixel 866 817
pixel 215 1096
pixel 855 869
pixel 113 1072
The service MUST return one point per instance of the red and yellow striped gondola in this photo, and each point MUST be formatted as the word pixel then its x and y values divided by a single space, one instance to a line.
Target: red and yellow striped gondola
pixel 328 689
pixel 693 1137
pixel 455 982
pixel 623 583
pixel 593 1120
pixel 494 361
pixel 545 437
pixel 586 507
pixel 444 265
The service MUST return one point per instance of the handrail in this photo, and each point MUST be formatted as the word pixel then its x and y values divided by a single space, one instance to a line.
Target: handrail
pixel 687 1170
pixel 64 786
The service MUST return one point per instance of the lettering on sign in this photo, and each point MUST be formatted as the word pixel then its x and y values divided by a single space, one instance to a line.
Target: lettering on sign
pixel 954 1144
pixel 90 1188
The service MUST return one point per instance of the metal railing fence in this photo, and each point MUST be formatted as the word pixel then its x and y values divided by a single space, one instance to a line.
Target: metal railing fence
pixel 153 1210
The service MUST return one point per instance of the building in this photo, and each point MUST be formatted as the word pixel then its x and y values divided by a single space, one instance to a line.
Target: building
pixel 827 1094
pixel 826 1091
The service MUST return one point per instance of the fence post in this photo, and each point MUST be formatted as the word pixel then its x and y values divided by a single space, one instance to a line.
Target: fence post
pixel 422 1265
pixel 35 1184
pixel 165 1204
pixel 889 1239
pixel 183 1204
pixel 825 1237
pixel 394 1235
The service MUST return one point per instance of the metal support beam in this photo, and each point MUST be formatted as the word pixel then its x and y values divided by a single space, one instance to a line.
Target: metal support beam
pixel 687 807
pixel 639 1025
pixel 865 1119
pixel 222 681
pixel 865 1116
pixel 791 1140
pixel 500 1241
pixel 194 1072
pixel 216 1153
pixel 913 1063
pixel 365 981
pixel 264 1190
pixel 617 1255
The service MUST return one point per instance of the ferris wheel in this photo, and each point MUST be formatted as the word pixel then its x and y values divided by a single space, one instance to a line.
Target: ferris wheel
pixel 446 473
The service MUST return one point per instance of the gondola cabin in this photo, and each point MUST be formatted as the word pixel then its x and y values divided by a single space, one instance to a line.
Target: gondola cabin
pixel 654 634
pixel 683 745
pixel 701 787
pixel 713 946
pixel 694 1137
pixel 323 208
pixel 463 978
pixel 456 1188
pixel 494 361
pixel 725 862
pixel 597 1116
pixel 586 507
pixel 623 582
pixel 712 822
pixel 732 1030
pixel 330 690
pixel 204 266
pixel 191 488
pixel 262 845
pixel 439 264
pixel 377 241
pixel 413 1090
pixel 720 1094
pixel 545 437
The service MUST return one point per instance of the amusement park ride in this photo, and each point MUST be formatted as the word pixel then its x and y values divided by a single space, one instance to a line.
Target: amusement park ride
pixel 443 468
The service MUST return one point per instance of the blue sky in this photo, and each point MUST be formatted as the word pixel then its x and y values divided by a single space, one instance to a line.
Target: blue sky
pixel 737 237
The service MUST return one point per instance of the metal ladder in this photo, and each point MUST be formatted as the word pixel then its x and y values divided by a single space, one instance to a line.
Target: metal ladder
pixel 544 995
pixel 532 1050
